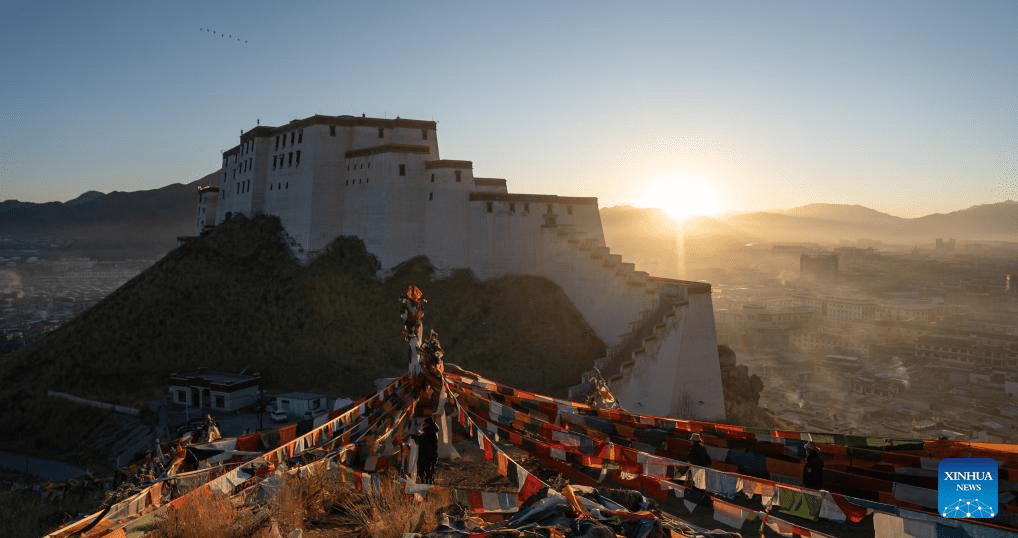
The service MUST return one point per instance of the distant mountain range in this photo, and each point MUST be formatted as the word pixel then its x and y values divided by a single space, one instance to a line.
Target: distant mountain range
pixel 117 224
pixel 149 222
pixel 825 223
pixel 659 244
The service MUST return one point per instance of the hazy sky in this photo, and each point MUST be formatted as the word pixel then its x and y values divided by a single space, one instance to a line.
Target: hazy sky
pixel 906 107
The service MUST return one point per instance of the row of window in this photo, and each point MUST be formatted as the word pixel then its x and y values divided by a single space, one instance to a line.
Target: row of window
pixel 244 186
pixel 244 166
pixel 286 159
pixel 381 133
pixel 526 208
pixel 357 166
pixel 298 135
pixel 220 400
pixel 279 186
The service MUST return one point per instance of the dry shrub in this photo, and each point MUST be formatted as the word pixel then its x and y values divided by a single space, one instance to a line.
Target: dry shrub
pixel 306 499
pixel 389 513
pixel 207 517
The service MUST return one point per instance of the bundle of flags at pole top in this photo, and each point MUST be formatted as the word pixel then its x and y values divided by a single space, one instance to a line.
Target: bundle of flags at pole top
pixel 587 466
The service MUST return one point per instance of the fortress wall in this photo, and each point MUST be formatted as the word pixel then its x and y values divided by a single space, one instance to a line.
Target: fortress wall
pixel 229 200
pixel 677 373
pixel 587 221
pixel 404 201
pixel 325 188
pixel 292 187
pixel 504 240
pixel 367 137
pixel 257 173
pixel 447 216
pixel 647 386
pixel 600 288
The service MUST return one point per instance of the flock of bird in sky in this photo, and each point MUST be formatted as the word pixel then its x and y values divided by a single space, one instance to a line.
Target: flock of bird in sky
pixel 222 35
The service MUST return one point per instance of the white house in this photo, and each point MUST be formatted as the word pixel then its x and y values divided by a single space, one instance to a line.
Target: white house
pixel 214 390
pixel 300 404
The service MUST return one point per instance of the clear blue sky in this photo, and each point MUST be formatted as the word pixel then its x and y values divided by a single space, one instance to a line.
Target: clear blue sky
pixel 906 107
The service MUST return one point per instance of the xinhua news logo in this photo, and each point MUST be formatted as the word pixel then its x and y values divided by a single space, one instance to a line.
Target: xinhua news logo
pixel 967 487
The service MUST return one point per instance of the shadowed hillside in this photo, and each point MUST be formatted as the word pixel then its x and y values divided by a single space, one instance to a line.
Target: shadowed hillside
pixel 235 299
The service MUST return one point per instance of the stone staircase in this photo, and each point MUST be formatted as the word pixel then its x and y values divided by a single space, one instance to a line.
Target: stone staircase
pixel 620 358
pixel 665 301
pixel 296 248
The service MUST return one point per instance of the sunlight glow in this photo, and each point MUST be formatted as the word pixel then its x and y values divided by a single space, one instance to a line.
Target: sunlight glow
pixel 682 196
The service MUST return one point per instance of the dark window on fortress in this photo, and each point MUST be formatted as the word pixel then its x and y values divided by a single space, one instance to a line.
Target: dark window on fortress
pixel 277 141
pixel 287 184
pixel 431 196
pixel 290 162
pixel 298 158
pixel 402 169
pixel 332 130
pixel 292 134
pixel 489 207
pixel 526 208
pixel 220 402
pixel 424 134
pixel 300 136
pixel 270 186
pixel 512 208
pixel 274 162
pixel 381 132
pixel 432 178
pixel 459 173
pixel 549 209
pixel 181 396
pixel 569 209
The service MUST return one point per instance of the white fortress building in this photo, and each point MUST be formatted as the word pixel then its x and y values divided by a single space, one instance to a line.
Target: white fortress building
pixel 382 180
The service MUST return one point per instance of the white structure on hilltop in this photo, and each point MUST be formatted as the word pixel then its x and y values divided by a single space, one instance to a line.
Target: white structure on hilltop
pixel 383 181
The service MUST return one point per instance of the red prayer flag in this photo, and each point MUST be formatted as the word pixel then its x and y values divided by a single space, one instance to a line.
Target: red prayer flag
pixel 853 512
pixel 531 486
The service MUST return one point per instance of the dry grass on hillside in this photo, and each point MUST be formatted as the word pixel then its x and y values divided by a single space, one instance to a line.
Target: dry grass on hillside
pixel 320 506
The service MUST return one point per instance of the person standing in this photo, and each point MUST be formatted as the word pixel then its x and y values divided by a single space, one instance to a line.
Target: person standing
pixel 697 453
pixel 427 451
pixel 813 471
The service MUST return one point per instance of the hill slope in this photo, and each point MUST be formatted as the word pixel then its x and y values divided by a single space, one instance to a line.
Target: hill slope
pixel 235 299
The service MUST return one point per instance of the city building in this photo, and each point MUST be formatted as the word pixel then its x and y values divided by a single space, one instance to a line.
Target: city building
pixel 821 268
pixel 945 246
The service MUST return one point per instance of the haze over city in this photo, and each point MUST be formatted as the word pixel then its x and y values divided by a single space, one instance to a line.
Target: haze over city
pixel 697 108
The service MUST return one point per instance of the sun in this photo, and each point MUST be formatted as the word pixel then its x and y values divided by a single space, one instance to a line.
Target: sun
pixel 681 197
